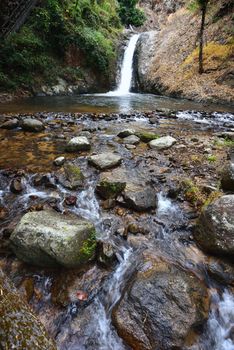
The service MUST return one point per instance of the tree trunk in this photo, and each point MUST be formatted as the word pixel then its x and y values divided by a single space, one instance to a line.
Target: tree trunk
pixel 201 39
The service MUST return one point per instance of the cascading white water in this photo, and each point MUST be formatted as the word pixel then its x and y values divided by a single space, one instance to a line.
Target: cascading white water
pixel 127 68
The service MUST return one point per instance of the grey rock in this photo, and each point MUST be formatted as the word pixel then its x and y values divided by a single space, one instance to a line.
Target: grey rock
pixel 76 144
pixel 59 161
pixel 33 125
pixel 105 160
pixel 215 228
pixel 227 177
pixel 131 140
pixel 111 184
pixel 10 124
pixel 126 132
pixel 139 197
pixel 162 143
pixel 70 176
pixel 47 238
pixel 161 306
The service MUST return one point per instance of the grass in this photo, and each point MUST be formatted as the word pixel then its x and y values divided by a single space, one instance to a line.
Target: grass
pixel 212 158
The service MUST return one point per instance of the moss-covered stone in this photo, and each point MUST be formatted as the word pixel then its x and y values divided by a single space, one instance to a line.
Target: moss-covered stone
pixel 147 136
pixel 70 176
pixel 19 327
pixel 110 189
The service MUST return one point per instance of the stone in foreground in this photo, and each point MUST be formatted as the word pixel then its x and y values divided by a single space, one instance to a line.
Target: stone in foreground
pixel 104 161
pixel 162 143
pixel 33 125
pixel 215 229
pixel 227 177
pixel 19 327
pixel 47 238
pixel 163 305
pixel 77 144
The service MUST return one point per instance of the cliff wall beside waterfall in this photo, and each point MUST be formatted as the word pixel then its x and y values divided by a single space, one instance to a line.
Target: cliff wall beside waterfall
pixel 167 59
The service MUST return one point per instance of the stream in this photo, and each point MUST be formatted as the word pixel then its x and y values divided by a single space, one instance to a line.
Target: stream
pixel 135 241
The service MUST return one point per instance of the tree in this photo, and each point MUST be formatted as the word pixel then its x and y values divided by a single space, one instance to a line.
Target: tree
pixel 203 7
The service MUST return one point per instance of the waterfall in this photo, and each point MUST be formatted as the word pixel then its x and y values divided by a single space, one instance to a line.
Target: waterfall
pixel 127 68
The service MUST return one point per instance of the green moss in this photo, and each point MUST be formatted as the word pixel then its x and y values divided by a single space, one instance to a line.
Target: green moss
pixel 88 248
pixel 147 136
pixel 211 158
pixel 107 189
pixel 73 172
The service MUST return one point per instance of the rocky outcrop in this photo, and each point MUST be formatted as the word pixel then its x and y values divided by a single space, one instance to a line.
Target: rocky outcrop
pixel 47 238
pixel 19 327
pixel 215 228
pixel 162 307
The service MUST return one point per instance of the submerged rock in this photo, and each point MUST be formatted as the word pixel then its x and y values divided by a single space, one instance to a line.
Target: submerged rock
pixel 215 228
pixel 76 144
pixel 162 307
pixel 34 125
pixel 47 238
pixel 227 177
pixel 19 327
pixel 162 143
pixel 104 161
pixel 71 177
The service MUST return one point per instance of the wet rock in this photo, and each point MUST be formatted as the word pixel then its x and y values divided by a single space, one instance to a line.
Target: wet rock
pixel 111 184
pixel 215 228
pixel 70 200
pixel 139 198
pixel 221 271
pixel 59 161
pixel 3 213
pixel 162 143
pixel 10 124
pixel 19 327
pixel 106 255
pixel 135 228
pixel 44 180
pixel 16 185
pixel 76 144
pixel 162 307
pixel 227 177
pixel 47 238
pixel 147 136
pixel 130 147
pixel 131 140
pixel 33 125
pixel 105 161
pixel 71 177
pixel 126 132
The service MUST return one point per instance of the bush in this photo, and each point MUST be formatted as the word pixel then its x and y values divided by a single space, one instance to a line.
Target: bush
pixel 130 14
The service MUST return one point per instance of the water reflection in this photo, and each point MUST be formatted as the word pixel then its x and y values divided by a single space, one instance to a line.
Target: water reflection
pixel 106 103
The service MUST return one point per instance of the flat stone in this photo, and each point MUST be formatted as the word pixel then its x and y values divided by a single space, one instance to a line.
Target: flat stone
pixel 76 144
pixel 33 125
pixel 162 143
pixel 131 140
pixel 47 238
pixel 105 160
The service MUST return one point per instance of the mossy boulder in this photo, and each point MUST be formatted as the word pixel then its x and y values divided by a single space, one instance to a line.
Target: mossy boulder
pixel 19 327
pixel 47 238
pixel 215 227
pixel 71 177
pixel 146 136
pixel 111 184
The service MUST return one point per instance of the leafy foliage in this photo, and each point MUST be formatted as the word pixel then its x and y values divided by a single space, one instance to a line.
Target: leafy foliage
pixel 130 14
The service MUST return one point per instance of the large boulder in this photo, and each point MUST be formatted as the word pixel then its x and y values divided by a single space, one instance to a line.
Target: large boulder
pixel 227 177
pixel 162 307
pixel 162 143
pixel 105 160
pixel 34 125
pixel 215 228
pixel 19 327
pixel 47 238
pixel 77 144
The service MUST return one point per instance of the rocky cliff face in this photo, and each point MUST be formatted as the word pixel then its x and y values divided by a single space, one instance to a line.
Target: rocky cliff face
pixel 168 57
